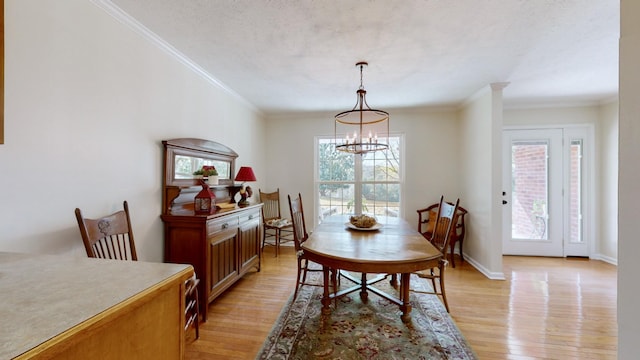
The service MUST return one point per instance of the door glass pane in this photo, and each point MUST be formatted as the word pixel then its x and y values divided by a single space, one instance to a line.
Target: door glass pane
pixel 529 177
pixel 575 192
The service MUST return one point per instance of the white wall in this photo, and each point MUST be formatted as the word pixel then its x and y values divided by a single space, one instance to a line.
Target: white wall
pixel 628 180
pixel 480 143
pixel 88 101
pixel 551 116
pixel 431 167
pixel 607 177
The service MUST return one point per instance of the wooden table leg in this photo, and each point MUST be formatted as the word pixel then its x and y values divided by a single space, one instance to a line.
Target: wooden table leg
pixel 406 305
pixel 326 299
pixel 394 281
pixel 364 295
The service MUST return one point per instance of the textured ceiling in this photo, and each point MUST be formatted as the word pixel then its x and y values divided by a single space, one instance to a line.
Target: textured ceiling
pixel 290 56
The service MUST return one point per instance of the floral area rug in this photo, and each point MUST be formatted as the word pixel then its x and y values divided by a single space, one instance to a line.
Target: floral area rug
pixel 365 330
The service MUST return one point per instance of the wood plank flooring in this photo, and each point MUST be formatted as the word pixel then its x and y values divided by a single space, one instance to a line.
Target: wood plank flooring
pixel 548 308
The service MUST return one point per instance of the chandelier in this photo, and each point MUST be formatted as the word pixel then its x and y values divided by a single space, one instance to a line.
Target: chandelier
pixel 361 129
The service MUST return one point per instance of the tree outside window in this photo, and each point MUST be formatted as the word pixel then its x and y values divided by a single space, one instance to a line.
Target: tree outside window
pixel 358 184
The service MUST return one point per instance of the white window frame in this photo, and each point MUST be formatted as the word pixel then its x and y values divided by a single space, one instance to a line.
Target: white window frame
pixel 358 181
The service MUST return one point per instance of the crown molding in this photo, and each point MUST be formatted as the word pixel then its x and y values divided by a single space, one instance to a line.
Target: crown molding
pixel 120 15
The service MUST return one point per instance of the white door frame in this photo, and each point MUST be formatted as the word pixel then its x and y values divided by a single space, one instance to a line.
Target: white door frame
pixel 589 227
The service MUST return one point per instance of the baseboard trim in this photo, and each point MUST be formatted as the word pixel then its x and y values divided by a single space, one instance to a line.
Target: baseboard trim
pixel 489 274
pixel 607 259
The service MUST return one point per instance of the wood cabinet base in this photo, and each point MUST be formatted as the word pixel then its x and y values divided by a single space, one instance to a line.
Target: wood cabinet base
pixel 132 330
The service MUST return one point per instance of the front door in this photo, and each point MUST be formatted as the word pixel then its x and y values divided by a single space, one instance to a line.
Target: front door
pixel 533 192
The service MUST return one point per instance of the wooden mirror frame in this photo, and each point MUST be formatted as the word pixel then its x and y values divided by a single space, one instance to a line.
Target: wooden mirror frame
pixel 178 193
pixel 196 148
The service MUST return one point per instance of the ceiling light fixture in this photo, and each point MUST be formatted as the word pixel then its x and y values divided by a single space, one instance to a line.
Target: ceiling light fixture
pixel 361 129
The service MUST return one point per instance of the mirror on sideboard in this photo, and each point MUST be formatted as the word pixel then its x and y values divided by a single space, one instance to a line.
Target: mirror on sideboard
pixel 184 156
pixel 185 166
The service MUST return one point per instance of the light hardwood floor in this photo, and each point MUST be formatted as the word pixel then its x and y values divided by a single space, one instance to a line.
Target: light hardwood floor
pixel 548 308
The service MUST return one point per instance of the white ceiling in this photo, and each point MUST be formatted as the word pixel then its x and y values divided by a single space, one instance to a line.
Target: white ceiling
pixel 291 56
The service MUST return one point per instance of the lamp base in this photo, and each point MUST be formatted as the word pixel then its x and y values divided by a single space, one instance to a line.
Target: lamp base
pixel 233 190
pixel 243 203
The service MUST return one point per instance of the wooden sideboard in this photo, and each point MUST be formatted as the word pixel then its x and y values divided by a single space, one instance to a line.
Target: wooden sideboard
pixel 60 307
pixel 223 246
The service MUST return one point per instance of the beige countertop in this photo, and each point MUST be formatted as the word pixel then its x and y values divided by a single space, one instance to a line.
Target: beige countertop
pixel 45 295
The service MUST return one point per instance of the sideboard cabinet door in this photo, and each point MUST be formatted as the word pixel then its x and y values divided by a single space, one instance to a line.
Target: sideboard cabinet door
pixel 222 266
pixel 250 239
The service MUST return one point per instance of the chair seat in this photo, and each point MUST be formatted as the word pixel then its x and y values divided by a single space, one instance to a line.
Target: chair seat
pixel 278 223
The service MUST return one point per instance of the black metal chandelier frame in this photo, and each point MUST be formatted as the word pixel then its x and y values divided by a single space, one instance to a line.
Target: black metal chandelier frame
pixel 370 126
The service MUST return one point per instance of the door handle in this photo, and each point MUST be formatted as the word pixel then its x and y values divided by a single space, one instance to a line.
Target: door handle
pixel 504 202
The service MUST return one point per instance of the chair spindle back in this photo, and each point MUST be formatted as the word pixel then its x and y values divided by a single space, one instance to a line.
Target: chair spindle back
pixel 300 234
pixel 270 205
pixel 443 225
pixel 108 237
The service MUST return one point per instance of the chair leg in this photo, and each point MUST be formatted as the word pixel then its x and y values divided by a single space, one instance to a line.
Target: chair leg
pixel 433 282
pixel 442 292
pixel 304 270
pixel 298 282
pixel 460 248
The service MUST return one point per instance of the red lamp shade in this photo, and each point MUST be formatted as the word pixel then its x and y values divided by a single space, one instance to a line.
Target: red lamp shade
pixel 245 174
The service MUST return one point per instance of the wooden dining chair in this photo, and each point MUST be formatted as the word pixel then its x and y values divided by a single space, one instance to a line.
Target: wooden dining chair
pixel 426 223
pixel 108 237
pixel 440 239
pixel 300 235
pixel 277 230
pixel 111 237
pixel 192 305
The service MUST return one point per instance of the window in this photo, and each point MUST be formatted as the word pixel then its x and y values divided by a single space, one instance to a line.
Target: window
pixel 358 184
pixel 575 191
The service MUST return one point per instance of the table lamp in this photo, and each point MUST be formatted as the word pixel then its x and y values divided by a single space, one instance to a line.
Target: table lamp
pixel 245 174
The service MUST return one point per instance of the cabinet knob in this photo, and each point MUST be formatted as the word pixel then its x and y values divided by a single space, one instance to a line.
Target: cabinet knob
pixel 225 225
pixel 250 216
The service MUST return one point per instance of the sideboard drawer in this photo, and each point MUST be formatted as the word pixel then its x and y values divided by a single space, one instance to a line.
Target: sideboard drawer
pixel 215 226
pixel 249 215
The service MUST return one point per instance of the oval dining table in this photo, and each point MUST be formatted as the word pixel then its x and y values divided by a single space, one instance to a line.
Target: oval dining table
pixel 393 247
